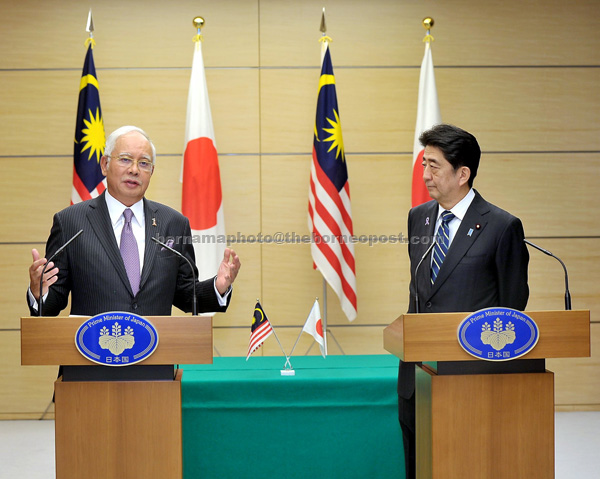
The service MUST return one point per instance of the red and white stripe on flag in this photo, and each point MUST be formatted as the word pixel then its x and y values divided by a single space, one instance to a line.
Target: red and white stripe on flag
pixel 202 199
pixel 258 336
pixel 314 327
pixel 428 115
pixel 80 193
pixel 329 212
pixel 260 329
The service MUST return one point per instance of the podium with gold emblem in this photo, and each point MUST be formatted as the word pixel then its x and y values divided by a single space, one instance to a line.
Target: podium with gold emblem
pixel 482 419
pixel 117 422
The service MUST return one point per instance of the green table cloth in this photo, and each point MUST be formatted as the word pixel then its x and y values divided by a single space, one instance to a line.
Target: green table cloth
pixel 336 418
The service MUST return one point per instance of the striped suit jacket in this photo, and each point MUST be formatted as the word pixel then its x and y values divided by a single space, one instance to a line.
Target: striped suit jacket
pixel 92 271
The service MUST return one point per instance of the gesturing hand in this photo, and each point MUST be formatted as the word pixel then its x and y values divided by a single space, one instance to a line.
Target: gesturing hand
pixel 228 270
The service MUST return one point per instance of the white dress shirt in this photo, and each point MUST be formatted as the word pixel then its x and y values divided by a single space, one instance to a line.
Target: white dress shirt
pixel 459 210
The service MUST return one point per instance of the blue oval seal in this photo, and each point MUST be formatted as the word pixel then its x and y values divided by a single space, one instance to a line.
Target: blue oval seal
pixel 498 334
pixel 116 339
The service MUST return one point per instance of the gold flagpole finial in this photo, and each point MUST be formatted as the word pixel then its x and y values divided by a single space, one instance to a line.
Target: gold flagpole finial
pixel 323 29
pixel 90 29
pixel 428 25
pixel 198 22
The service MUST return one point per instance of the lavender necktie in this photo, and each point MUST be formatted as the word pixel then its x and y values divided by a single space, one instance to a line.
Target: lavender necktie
pixel 130 253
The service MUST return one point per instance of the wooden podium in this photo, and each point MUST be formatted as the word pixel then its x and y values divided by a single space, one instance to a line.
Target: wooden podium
pixel 124 429
pixel 488 421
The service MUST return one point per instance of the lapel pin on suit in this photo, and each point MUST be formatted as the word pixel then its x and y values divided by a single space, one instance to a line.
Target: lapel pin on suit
pixel 427 221
pixel 470 233
pixel 154 222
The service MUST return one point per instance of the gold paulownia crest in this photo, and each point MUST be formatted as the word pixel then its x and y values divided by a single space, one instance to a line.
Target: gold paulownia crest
pixel 498 338
pixel 116 342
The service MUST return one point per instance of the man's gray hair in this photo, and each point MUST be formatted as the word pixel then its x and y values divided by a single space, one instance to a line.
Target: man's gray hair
pixel 115 135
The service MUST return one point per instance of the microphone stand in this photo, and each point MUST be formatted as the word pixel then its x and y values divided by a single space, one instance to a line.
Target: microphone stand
pixel 417 269
pixel 172 250
pixel 567 293
pixel 58 251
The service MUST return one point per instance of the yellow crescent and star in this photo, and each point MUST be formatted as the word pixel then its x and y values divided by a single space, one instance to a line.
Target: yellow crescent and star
pixel 94 138
pixel 262 316
pixel 335 131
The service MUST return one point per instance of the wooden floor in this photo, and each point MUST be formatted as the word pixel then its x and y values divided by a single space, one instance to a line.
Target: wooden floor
pixel 27 447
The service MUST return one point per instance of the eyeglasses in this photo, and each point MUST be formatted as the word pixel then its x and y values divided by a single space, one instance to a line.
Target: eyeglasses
pixel 127 162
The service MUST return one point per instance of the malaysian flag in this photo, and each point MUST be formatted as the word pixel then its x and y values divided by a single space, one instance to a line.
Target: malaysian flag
pixel 261 329
pixel 428 115
pixel 88 180
pixel 329 213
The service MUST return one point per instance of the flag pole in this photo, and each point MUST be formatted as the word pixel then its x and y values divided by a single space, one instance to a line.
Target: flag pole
pixel 198 23
pixel 288 369
pixel 428 24
pixel 302 330
pixel 90 29
pixel 278 342
pixel 324 44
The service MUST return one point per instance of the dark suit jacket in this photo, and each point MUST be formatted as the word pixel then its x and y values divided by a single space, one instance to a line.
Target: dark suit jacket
pixel 92 270
pixel 486 266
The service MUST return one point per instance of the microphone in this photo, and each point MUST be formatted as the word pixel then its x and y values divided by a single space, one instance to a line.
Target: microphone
pixel 567 294
pixel 58 251
pixel 172 250
pixel 417 269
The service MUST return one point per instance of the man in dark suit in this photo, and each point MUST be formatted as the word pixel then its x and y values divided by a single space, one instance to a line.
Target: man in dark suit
pixel 480 260
pixel 103 274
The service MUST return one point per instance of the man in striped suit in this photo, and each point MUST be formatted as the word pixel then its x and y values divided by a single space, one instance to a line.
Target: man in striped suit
pixel 114 265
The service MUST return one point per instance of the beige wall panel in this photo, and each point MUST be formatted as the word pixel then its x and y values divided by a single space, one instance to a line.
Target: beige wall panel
pixel 156 100
pixel 291 285
pixel 15 260
pixel 39 108
pixel 31 191
pixel 379 33
pixel 240 183
pixel 38 112
pixel 577 380
pixel 377 109
pixel 547 279
pixel 288 268
pixel 508 109
pixel 548 191
pixel 378 187
pixel 136 33
pixel 246 290
pixel 231 341
pixel 26 389
pixel 387 32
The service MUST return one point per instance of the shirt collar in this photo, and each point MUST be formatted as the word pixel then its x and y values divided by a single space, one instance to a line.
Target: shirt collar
pixel 460 209
pixel 116 208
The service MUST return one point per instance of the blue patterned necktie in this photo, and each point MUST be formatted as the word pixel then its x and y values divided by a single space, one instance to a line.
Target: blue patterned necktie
pixel 130 252
pixel 440 250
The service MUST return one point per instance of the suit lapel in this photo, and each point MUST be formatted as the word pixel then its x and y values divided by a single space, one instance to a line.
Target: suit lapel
pixel 469 230
pixel 154 227
pixel 99 218
pixel 428 230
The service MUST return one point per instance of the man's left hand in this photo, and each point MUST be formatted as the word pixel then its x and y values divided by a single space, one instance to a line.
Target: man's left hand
pixel 228 271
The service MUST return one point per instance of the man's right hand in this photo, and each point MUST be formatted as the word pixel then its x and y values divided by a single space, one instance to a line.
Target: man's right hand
pixel 35 270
